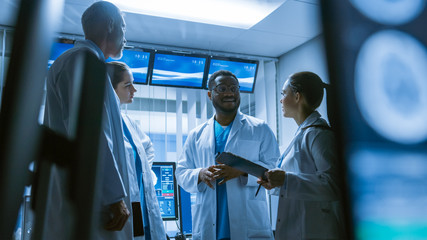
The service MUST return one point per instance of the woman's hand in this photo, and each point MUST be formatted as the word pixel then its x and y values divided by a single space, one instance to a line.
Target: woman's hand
pixel 275 178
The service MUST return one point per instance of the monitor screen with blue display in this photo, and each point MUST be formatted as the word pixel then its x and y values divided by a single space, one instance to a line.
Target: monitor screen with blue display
pixel 245 71
pixel 57 49
pixel 166 189
pixel 138 62
pixel 178 70
pixel 186 200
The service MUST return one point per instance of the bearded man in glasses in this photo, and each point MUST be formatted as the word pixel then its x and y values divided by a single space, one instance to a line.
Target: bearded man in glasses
pixel 226 204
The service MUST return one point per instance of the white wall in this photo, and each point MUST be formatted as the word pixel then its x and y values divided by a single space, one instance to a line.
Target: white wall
pixel 307 57
pixel 265 99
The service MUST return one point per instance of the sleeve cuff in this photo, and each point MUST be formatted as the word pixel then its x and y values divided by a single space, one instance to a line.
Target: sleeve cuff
pixel 201 186
pixel 283 192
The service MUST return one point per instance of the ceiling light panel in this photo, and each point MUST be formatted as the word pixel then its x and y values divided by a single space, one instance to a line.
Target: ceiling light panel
pixel 230 13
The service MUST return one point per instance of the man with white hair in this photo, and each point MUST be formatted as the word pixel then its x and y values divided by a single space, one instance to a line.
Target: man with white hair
pixel 104 30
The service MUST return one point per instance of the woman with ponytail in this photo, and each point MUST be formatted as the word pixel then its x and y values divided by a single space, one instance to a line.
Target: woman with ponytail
pixel 306 179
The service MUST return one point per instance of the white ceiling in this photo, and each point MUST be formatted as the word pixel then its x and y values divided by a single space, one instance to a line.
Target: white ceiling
pixel 290 25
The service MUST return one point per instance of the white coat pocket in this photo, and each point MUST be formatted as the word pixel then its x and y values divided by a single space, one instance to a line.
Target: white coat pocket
pixel 203 221
pixel 195 212
pixel 264 234
pixel 258 220
pixel 320 212
pixel 248 149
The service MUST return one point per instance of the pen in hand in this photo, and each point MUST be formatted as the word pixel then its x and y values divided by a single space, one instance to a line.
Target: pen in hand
pixel 257 191
pixel 262 179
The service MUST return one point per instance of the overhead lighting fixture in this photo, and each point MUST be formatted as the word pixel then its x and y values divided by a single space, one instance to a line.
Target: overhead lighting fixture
pixel 230 13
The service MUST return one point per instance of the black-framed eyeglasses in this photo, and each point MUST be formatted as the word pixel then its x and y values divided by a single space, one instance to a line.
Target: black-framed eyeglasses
pixel 223 88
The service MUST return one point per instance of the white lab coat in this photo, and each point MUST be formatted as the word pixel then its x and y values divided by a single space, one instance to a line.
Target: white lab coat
pixel 146 153
pixel 309 201
pixel 58 112
pixel 249 138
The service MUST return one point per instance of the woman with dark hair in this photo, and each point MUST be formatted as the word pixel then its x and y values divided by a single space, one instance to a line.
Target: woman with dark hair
pixel 139 158
pixel 307 178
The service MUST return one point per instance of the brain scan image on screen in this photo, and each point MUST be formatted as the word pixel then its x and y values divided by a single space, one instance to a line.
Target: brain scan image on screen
pixel 391 87
pixel 392 12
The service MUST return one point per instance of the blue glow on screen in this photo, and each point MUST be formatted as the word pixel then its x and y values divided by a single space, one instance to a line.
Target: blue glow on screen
pixel 187 200
pixel 180 71
pixel 165 190
pixel 387 157
pixel 389 193
pixel 56 50
pixel 245 72
pixel 138 64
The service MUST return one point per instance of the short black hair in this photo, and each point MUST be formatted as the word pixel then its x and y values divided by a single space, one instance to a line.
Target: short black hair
pixel 115 70
pixel 310 85
pixel 218 74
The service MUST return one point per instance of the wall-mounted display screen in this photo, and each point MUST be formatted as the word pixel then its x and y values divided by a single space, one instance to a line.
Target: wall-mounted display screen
pixel 138 62
pixel 171 69
pixel 56 50
pixel 166 189
pixel 245 71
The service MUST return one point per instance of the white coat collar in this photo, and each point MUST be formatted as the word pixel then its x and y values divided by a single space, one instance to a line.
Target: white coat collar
pixel 238 118
pixel 237 124
pixel 91 45
pixel 313 119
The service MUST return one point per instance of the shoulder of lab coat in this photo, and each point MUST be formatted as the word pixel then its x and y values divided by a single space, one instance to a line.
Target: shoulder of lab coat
pixel 142 140
pixel 199 152
pixel 60 91
pixel 187 174
pixel 317 145
pixel 117 155
pixel 60 95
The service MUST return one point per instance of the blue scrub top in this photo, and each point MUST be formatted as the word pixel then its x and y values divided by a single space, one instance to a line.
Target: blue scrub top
pixel 222 220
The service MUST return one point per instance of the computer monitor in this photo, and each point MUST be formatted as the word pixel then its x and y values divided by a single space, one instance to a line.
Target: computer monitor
pixel 245 71
pixel 186 200
pixel 57 49
pixel 166 189
pixel 178 70
pixel 138 61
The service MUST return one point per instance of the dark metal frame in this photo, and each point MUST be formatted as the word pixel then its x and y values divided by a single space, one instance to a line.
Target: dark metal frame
pixel 23 141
